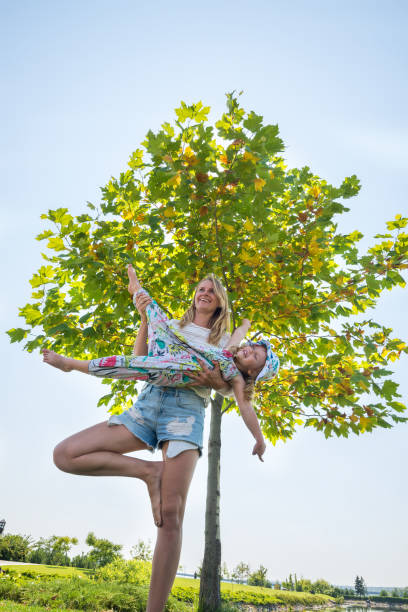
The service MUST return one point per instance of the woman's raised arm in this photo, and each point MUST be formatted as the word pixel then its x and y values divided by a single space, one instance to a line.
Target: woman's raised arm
pixel 140 345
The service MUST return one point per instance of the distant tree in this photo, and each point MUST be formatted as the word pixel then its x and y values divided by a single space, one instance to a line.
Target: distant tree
pixel 360 587
pixel 405 592
pixel 142 551
pixel 197 573
pixel 241 572
pixel 258 578
pixel 304 584
pixel 321 586
pixel 53 550
pixel 288 584
pixel 225 574
pixel 102 551
pixel 383 593
pixel 349 592
pixel 396 593
pixel 83 561
pixel 15 547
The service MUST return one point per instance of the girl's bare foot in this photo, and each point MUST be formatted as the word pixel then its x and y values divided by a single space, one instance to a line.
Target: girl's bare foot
pixel 153 482
pixel 58 361
pixel 134 284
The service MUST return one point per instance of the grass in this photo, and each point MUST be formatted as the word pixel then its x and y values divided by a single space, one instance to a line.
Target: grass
pixel 69 586
pixel 12 606
pixel 252 594
pixel 47 570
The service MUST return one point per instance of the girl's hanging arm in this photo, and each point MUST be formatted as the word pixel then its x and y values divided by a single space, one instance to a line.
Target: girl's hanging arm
pixel 248 414
pixel 140 345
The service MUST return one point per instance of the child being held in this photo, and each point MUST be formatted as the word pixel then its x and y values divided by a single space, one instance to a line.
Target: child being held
pixel 171 358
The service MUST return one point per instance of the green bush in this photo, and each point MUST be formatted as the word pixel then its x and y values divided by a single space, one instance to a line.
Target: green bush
pixel 389 599
pixel 14 547
pixel 79 594
pixel 120 570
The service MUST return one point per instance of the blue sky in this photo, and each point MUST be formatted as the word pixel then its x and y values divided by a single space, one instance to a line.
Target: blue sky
pixel 83 83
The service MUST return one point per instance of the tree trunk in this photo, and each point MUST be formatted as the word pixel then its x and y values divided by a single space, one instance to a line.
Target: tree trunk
pixel 210 596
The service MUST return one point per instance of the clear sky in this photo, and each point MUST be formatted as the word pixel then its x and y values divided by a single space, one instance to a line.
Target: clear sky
pixel 83 81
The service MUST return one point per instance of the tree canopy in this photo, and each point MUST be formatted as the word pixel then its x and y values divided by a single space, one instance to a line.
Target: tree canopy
pixel 199 198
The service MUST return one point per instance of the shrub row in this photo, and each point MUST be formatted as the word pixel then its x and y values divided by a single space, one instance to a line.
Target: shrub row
pixel 80 594
pixel 381 598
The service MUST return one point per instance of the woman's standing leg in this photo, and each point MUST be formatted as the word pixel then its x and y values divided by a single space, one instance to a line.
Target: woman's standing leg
pixel 176 479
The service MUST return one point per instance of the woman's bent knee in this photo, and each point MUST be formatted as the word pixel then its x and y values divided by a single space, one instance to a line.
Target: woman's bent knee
pixel 61 457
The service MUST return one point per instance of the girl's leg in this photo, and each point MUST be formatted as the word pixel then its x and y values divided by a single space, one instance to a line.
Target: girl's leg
pixel 158 370
pixel 98 451
pixel 66 364
pixel 176 479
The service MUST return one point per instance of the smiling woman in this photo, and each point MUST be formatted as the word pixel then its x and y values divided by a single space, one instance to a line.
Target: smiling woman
pixel 101 450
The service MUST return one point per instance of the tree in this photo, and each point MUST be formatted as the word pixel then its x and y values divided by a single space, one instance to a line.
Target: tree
pixel 53 550
pixel 321 586
pixel 102 551
pixel 258 578
pixel 190 204
pixel 83 561
pixel 241 572
pixel 288 584
pixel 360 587
pixel 304 584
pixel 142 551
pixel 225 573
pixel 15 547
pixel 383 593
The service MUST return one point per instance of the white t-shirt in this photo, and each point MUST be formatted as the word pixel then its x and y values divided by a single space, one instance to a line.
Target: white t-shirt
pixel 198 334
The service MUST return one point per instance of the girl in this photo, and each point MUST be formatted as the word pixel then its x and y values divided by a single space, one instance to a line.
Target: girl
pixel 171 358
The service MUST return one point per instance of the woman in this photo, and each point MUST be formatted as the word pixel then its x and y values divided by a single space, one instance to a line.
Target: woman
pixel 101 450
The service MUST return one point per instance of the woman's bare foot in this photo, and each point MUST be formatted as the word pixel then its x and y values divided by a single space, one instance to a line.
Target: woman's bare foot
pixel 153 482
pixel 134 284
pixel 58 361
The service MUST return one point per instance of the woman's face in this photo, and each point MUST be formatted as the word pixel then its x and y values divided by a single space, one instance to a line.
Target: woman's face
pixel 205 299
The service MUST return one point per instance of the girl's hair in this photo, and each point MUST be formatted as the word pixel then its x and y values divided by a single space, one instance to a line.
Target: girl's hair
pixel 220 321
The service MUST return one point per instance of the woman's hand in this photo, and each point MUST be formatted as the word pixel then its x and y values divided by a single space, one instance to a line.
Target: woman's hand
pixel 259 448
pixel 141 301
pixel 207 377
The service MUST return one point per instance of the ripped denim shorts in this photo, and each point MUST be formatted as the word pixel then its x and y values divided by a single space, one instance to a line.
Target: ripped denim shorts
pixel 165 413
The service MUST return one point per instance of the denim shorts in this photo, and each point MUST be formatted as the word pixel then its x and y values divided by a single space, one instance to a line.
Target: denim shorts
pixel 164 413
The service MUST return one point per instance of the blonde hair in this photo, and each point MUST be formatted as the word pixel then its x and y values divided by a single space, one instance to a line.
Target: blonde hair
pixel 220 320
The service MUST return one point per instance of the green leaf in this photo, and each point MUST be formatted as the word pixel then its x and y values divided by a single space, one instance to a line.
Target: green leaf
pixel 253 122
pixel 389 389
pixel 18 334
pixel 57 244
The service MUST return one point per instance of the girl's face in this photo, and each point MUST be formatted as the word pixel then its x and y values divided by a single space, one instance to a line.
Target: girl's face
pixel 250 359
pixel 205 299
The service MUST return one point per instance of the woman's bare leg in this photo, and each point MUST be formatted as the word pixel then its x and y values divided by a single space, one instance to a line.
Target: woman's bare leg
pixel 176 479
pixel 98 451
